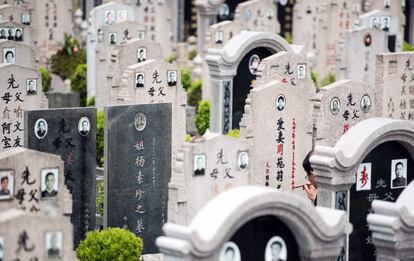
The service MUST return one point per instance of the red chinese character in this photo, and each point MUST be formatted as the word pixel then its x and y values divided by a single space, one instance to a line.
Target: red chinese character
pixel 280 149
pixel 364 177
pixel 346 127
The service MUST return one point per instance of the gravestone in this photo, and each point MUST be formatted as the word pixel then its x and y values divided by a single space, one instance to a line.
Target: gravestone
pixel 27 236
pixel 371 161
pixel 387 22
pixel 341 105
pixel 22 90
pixel 283 226
pixel 70 133
pixel 357 54
pixel 394 85
pixel 15 31
pixel 397 245
pixel 24 54
pixel 114 64
pixel 137 169
pixel 235 66
pixel 204 170
pixel 25 173
pixel 283 82
pixel 103 15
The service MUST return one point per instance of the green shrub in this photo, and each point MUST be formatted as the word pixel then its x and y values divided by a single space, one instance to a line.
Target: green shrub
pixel 100 198
pixel 192 55
pixel 46 79
pixel 100 138
pixel 407 47
pixel 188 138
pixel 235 133
pixel 194 93
pixel 329 78
pixel 171 59
pixel 65 61
pixel 78 83
pixel 186 78
pixel 91 102
pixel 111 244
pixel 314 78
pixel 203 116
pixel 288 37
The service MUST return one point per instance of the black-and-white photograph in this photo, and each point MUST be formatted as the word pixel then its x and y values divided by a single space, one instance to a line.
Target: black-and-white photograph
pixel 254 62
pixel 84 126
pixel 276 249
pixel 141 55
pixel 26 19
pixel 141 35
pixel 112 38
pixel 53 244
pixel 270 14
pixel 140 121
pixel 31 86
pixel 243 160
pixel 224 11
pixel 10 34
pixel 3 34
pixel 6 184
pixel 280 102
pixel 335 106
pixel 199 164
pixel 121 16
pixel 365 103
pixel 340 200
pixel 301 71
pixel 110 17
pixel 218 37
pixel 172 78
pixel 49 185
pixel 40 128
pixel 398 173
pixel 9 55
pixel 18 34
pixel 375 22
pixel 367 39
pixel 140 80
pixel 230 252
pixel 2 247
pixel 385 23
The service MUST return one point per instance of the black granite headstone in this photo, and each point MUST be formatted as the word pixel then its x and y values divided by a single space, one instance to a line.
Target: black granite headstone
pixel 138 169
pixel 70 133
pixel 383 161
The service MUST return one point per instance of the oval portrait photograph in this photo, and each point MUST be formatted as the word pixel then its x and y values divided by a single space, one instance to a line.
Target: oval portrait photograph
pixel 40 128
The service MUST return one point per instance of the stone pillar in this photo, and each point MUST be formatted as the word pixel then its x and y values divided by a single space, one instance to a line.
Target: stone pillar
pixel 206 16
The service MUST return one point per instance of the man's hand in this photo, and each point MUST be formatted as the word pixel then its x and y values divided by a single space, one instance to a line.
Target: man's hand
pixel 311 191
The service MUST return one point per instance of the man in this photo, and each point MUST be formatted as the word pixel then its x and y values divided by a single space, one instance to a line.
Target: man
pixel 140 80
pixel 243 160
pixel 4 191
pixel 310 187
pixel 301 72
pixel 9 57
pixel 141 55
pixel 26 19
pixel 3 34
pixel 31 87
pixel 53 251
pixel 85 128
pixel 254 64
pixel 335 106
pixel 218 37
pixel 41 129
pixel 172 79
pixel 276 248
pixel 112 40
pixel 375 23
pixel 280 103
pixel 365 104
pixel 229 254
pixel 386 24
pixel 19 35
pixel 50 183
pixel 11 35
pixel 400 180
pixel 200 166
pixel 109 18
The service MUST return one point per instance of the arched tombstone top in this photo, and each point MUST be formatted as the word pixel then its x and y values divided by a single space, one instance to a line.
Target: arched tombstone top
pixel 226 60
pixel 312 227
pixel 357 143
pixel 218 35
pixel 123 31
pixel 24 54
pixel 340 106
pixel 258 15
pixel 127 52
